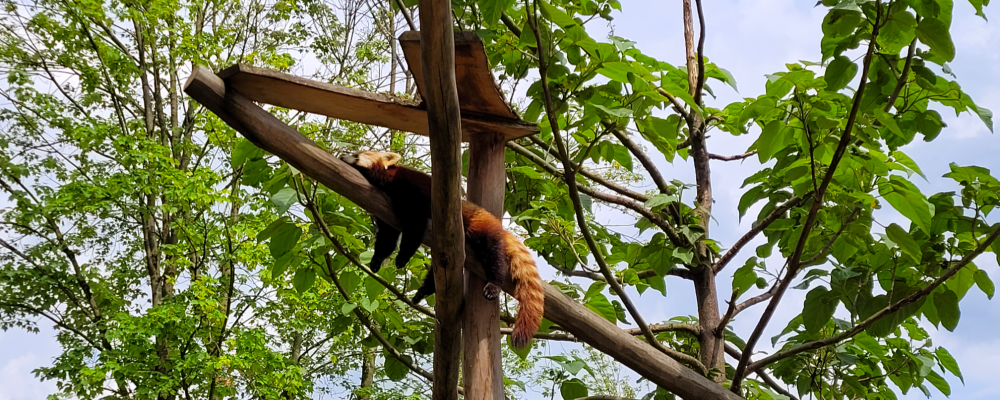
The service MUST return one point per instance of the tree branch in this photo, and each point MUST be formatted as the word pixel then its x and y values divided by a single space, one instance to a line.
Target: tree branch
pixel 701 55
pixel 732 158
pixel 675 238
pixel 325 229
pixel 768 380
pixel 816 344
pixel 568 337
pixel 583 171
pixel 371 326
pixel 644 159
pixel 569 177
pixel 796 257
pixel 903 76
pixel 756 229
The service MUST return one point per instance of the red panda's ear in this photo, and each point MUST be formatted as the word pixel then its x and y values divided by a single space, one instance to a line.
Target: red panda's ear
pixel 391 158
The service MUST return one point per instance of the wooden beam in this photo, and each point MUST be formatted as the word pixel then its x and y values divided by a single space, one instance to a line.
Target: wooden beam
pixel 274 136
pixel 482 368
pixel 289 91
pixel 478 92
pixel 444 120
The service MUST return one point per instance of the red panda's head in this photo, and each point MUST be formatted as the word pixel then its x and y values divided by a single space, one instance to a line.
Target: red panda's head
pixel 374 165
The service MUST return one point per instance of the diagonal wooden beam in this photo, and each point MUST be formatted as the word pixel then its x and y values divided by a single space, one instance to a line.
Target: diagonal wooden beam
pixel 274 136
pixel 289 91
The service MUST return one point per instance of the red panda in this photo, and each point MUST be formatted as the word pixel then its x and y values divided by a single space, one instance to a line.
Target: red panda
pixel 499 251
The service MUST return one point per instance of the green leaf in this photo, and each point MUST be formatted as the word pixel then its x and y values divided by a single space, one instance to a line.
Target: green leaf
pixel 373 288
pixel 617 71
pixel 985 115
pixel 587 202
pixel 685 255
pixel 271 228
pixel 284 239
pixel 284 199
pixel 908 162
pixel 839 73
pixel 935 34
pixel 350 281
pixel 659 200
pixel 897 32
pixel 770 141
pixel 907 199
pixel 347 308
pixel 818 308
pixel 946 304
pixel 394 369
pixel 244 151
pixel 492 9
pixel 304 279
pixel 615 112
pixel 745 276
pixel 985 283
pixel 600 305
pixel 948 362
pixel 906 243
pixel 939 383
pixel 573 389
pixel 556 15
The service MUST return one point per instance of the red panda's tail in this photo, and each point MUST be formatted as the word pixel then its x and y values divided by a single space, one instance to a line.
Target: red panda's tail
pixel 527 290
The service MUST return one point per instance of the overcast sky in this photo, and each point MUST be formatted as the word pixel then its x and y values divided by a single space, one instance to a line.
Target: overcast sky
pixel 749 38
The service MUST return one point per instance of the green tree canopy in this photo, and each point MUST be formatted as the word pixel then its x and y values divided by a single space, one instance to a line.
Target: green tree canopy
pixel 176 259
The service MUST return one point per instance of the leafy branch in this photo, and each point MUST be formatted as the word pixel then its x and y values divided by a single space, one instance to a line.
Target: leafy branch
pixel 570 178
pixel 794 262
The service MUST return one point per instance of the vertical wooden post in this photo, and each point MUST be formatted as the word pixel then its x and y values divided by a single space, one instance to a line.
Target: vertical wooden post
pixel 437 54
pixel 483 368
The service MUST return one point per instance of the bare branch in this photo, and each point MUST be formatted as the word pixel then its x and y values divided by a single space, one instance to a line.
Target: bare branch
pixel 732 158
pixel 701 54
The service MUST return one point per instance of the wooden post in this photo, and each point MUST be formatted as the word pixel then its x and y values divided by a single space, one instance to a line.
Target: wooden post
pixel 444 119
pixel 482 368
pixel 276 137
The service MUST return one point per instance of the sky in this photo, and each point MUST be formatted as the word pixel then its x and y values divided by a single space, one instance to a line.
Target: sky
pixel 750 38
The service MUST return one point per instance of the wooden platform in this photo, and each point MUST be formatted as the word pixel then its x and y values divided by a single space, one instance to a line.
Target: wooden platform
pixel 289 91
pixel 477 91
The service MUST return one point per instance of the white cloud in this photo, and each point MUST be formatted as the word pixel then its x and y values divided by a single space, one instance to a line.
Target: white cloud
pixel 19 383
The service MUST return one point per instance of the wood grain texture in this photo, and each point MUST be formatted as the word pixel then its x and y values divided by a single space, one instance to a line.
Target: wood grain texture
pixel 482 366
pixel 477 91
pixel 274 136
pixel 289 91
pixel 444 120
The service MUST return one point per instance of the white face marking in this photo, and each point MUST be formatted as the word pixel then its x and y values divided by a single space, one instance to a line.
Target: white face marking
pixel 364 160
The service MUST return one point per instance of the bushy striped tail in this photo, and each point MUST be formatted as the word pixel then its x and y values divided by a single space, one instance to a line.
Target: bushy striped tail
pixel 527 290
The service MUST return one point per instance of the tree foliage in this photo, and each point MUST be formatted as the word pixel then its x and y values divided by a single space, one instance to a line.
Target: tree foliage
pixel 175 259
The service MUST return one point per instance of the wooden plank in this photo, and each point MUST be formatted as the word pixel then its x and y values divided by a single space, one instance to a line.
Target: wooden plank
pixel 289 91
pixel 274 136
pixel 482 364
pixel 478 92
pixel 444 120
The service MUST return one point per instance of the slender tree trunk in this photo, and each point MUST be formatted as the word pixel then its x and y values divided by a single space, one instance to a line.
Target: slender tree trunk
pixel 367 373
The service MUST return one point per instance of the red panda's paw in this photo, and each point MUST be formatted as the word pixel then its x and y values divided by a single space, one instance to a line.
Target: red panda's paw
pixel 491 291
